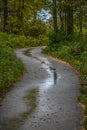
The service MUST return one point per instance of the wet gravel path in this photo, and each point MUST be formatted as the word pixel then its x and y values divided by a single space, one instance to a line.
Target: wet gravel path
pixel 44 99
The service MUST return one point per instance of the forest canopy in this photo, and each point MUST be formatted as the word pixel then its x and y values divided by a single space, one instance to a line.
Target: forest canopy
pixel 68 15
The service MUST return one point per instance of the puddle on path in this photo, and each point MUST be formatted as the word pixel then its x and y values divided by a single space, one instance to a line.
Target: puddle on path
pixel 52 79
pixel 27 52
pixel 31 102
pixel 34 94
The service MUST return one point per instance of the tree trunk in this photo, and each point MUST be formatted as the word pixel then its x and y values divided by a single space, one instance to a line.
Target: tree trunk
pixel 61 19
pixel 80 18
pixel 69 19
pixel 5 15
pixel 61 15
pixel 22 8
pixel 55 16
pixel 20 16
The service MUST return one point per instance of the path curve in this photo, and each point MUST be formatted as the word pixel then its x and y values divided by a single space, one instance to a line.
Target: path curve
pixel 44 99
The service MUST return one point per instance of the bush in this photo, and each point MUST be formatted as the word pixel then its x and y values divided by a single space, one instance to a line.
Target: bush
pixel 56 38
pixel 85 79
pixel 20 41
pixel 35 28
pixel 10 67
pixel 75 53
pixel 77 49
pixel 85 123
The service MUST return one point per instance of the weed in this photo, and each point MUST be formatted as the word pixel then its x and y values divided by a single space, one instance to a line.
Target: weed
pixel 74 52
pixel 83 98
pixel 10 66
pixel 85 123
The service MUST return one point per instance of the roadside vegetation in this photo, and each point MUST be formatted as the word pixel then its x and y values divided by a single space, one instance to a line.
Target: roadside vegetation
pixel 11 67
pixel 21 41
pixel 73 50
pixel 61 25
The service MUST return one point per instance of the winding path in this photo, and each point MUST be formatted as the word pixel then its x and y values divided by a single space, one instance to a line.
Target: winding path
pixel 53 106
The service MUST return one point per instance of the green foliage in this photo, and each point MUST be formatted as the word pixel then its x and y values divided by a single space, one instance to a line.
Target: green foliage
pixel 85 79
pixel 35 28
pixel 85 112
pixel 10 67
pixel 55 38
pixel 77 49
pixel 83 98
pixel 74 52
pixel 85 123
pixel 20 41
pixel 39 41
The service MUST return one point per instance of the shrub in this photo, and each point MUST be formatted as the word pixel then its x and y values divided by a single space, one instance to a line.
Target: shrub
pixel 35 28
pixel 75 53
pixel 21 41
pixel 55 38
pixel 77 49
pixel 85 123
pixel 85 79
pixel 10 67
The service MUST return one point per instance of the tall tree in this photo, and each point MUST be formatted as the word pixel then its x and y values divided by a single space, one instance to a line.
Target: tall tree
pixel 21 10
pixel 61 8
pixel 80 18
pixel 1 14
pixel 5 15
pixel 55 16
pixel 69 18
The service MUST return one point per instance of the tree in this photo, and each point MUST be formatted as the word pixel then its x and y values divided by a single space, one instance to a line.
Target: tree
pixel 55 16
pixel 67 14
pixel 1 15
pixel 5 15
pixel 21 10
pixel 69 18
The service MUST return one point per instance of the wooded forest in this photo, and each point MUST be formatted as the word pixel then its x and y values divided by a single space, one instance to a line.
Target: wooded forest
pixel 60 25
pixel 18 16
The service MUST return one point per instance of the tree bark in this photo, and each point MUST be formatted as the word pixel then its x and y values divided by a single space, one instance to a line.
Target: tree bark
pixel 20 16
pixel 69 18
pixel 61 19
pixel 80 18
pixel 5 15
pixel 55 16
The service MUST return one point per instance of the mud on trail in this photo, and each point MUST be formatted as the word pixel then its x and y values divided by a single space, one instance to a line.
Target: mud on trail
pixel 45 98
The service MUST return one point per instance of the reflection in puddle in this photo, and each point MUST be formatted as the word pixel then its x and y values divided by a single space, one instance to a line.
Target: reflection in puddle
pixel 44 107
pixel 52 75
pixel 36 99
pixel 55 77
pixel 31 101
pixel 27 52
pixel 50 82
pixel 52 79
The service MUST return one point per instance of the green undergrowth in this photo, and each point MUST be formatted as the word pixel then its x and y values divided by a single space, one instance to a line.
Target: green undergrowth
pixel 75 53
pixel 12 67
pixel 21 41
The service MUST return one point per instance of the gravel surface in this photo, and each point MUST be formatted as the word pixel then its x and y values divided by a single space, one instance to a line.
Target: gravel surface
pixel 45 98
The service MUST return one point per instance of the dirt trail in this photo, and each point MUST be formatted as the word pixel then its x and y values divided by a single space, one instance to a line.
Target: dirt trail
pixel 44 99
